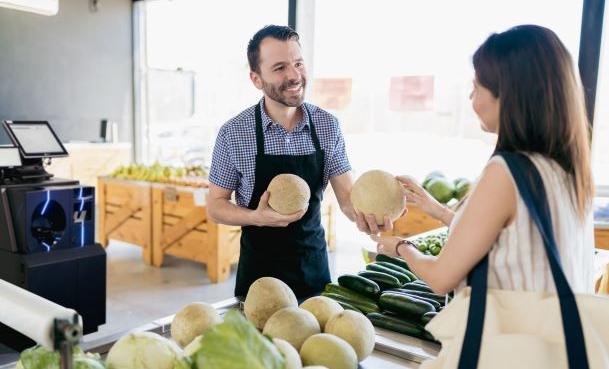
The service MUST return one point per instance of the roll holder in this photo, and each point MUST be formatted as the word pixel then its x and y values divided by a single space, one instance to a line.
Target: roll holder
pixel 51 326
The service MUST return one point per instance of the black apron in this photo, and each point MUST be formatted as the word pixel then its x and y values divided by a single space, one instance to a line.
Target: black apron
pixel 295 254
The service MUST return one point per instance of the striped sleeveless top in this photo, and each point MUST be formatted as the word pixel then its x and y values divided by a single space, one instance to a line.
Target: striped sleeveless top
pixel 517 260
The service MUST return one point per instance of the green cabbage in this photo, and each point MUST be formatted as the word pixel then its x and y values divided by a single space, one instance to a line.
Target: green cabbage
pixel 235 344
pixel 143 350
pixel 38 357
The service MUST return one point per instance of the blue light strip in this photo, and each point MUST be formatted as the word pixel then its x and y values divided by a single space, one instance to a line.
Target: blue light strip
pixel 82 225
pixel 46 245
pixel 82 200
pixel 46 204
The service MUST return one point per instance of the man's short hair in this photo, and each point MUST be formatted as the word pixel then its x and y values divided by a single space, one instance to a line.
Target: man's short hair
pixel 281 33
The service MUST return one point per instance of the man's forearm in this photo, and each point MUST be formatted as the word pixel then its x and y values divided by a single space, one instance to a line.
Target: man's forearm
pixel 225 212
pixel 349 211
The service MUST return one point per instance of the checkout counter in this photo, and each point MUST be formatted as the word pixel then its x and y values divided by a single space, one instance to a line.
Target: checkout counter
pixel 47 239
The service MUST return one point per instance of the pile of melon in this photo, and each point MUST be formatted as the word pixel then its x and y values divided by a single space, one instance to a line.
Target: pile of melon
pixel 319 332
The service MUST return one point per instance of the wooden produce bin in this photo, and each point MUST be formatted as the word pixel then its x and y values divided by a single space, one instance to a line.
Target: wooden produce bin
pixel 125 213
pixel 415 221
pixel 180 227
pixel 601 236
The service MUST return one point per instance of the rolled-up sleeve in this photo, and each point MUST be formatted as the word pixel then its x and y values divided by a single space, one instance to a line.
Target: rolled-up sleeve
pixel 223 172
pixel 338 162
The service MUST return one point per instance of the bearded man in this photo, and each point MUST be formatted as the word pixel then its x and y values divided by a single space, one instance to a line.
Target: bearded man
pixel 280 134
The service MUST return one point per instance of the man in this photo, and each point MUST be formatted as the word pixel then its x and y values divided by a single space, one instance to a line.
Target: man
pixel 280 134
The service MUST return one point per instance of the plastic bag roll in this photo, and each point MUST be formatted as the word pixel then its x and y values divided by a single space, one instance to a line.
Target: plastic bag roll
pixel 31 315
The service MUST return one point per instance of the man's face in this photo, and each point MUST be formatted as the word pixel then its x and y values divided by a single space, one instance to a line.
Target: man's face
pixel 282 75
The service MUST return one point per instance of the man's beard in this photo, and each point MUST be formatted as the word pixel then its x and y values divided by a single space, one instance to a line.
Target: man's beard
pixel 277 92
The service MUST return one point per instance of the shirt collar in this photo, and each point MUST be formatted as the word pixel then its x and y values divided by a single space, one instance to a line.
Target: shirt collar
pixel 267 122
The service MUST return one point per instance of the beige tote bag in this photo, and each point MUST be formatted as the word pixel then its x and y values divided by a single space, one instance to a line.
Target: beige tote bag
pixel 488 328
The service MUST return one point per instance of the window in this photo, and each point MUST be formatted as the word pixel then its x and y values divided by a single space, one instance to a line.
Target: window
pixel 196 74
pixel 398 75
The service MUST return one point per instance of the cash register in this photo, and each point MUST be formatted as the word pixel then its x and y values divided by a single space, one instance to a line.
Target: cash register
pixel 47 229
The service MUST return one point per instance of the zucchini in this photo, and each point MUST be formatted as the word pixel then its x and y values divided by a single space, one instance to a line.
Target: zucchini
pixel 437 305
pixel 413 277
pixel 360 285
pixel 403 278
pixel 420 281
pixel 405 305
pixel 438 298
pixel 427 317
pixel 395 324
pixel 348 306
pixel 417 287
pixel 385 281
pixel 428 336
pixel 393 260
pixel 392 266
pixel 340 290
pixel 363 307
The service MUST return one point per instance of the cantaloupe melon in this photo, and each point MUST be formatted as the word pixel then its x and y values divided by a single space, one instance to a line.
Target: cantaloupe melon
pixel 264 297
pixel 354 328
pixel 378 193
pixel 292 324
pixel 291 356
pixel 191 321
pixel 288 193
pixel 329 351
pixel 322 307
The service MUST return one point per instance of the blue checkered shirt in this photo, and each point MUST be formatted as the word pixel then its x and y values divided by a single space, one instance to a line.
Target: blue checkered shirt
pixel 233 162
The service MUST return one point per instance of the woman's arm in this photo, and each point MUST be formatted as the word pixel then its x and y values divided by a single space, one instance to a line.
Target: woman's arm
pixel 490 208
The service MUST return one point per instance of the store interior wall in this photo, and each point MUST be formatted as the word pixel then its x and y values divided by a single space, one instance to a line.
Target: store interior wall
pixel 73 69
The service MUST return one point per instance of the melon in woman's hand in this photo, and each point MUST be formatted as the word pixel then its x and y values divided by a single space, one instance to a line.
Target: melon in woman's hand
pixel 378 193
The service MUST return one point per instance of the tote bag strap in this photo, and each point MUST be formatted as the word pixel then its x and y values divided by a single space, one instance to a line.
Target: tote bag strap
pixel 531 188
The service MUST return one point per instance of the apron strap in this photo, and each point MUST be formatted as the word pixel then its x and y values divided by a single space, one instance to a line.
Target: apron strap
pixel 312 127
pixel 259 133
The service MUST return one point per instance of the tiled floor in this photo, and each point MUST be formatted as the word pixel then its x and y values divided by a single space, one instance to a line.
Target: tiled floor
pixel 138 294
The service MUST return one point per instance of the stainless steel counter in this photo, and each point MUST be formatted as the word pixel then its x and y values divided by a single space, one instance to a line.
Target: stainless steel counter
pixel 392 350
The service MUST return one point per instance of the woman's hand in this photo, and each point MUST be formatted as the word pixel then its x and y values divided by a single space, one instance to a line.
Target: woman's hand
pixel 417 194
pixel 386 244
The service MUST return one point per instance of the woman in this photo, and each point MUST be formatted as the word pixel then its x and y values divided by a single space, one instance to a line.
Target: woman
pixel 527 92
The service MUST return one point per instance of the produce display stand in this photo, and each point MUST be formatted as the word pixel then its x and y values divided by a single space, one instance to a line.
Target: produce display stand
pixel 392 350
pixel 601 235
pixel 125 213
pixel 414 222
pixel 171 219
pixel 181 228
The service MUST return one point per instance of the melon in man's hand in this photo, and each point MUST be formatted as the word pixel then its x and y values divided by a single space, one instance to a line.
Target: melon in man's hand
pixel 378 193
pixel 288 193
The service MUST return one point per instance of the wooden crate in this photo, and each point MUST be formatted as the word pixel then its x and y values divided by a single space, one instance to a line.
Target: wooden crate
pixel 414 222
pixel 601 237
pixel 125 213
pixel 181 228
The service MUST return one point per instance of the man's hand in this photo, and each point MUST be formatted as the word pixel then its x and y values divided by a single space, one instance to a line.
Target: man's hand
pixel 265 216
pixel 367 224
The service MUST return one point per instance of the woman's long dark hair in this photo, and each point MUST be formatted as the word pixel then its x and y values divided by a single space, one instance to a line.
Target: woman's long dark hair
pixel 541 101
